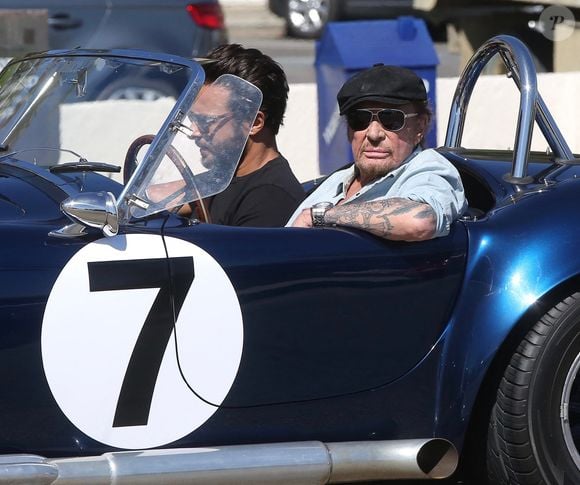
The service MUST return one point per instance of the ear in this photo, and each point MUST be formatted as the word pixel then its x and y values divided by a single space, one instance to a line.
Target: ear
pixel 422 122
pixel 259 123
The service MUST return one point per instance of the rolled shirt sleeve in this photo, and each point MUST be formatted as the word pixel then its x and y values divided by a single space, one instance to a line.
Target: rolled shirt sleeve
pixel 433 180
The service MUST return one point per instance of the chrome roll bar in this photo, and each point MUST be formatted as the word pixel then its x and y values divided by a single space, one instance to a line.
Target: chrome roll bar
pixel 520 67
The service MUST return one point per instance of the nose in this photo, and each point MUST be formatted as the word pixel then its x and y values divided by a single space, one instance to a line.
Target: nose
pixel 375 130
pixel 195 131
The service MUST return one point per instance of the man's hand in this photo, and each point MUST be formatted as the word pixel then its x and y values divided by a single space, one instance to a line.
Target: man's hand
pixel 304 219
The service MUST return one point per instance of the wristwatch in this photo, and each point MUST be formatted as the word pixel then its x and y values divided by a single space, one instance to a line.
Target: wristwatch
pixel 317 212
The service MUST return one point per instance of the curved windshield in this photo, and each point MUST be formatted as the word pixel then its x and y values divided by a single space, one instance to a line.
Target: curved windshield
pixel 61 107
pixel 198 154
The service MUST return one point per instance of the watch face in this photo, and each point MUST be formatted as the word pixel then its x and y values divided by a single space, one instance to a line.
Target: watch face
pixel 324 206
pixel 317 212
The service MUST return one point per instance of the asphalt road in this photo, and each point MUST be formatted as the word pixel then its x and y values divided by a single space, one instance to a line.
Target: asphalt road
pixel 252 25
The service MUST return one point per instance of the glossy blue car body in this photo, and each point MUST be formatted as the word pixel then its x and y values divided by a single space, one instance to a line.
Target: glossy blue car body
pixel 346 337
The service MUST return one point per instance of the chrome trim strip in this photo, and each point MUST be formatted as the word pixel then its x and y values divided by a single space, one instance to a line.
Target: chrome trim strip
pixel 277 463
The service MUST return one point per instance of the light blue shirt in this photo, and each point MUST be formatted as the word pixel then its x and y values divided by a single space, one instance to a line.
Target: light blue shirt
pixel 425 176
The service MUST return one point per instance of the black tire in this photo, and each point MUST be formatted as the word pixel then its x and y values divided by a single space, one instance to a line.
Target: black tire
pixel 298 21
pixel 528 440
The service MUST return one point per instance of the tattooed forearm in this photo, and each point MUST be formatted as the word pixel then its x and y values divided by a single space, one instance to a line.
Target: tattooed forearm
pixel 395 218
pixel 426 213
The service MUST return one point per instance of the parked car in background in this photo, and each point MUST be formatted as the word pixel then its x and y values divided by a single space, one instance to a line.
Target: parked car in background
pixel 473 22
pixel 307 18
pixel 465 25
pixel 188 28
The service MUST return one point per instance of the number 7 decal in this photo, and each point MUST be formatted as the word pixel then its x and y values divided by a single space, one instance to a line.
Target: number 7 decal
pixel 173 277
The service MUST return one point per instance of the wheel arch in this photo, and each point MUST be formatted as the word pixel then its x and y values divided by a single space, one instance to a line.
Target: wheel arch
pixel 473 452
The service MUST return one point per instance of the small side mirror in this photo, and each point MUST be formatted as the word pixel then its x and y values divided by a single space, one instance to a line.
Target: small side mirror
pixel 91 209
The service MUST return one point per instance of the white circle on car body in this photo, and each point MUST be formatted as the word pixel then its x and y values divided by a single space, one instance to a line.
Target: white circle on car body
pixel 100 343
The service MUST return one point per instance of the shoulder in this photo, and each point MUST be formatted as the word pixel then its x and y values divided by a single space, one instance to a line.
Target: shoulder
pixel 277 175
pixel 277 167
pixel 430 160
pixel 429 155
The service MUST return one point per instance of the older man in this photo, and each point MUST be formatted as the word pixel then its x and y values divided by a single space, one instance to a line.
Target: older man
pixel 395 189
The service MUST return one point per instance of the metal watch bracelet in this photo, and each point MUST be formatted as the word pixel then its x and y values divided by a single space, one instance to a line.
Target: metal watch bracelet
pixel 317 212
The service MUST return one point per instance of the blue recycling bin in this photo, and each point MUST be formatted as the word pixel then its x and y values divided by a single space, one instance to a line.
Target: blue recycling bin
pixel 346 48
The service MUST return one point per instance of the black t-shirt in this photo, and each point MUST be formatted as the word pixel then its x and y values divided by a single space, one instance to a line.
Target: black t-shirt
pixel 264 198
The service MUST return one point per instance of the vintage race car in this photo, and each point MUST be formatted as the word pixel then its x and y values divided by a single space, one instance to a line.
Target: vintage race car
pixel 141 346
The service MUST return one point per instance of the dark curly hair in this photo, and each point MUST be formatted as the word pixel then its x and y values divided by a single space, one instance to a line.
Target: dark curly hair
pixel 257 68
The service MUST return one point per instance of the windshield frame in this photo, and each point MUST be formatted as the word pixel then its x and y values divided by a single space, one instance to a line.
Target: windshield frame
pixel 218 160
pixel 162 139
pixel 146 193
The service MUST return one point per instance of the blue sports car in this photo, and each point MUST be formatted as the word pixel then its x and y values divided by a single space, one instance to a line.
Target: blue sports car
pixel 140 346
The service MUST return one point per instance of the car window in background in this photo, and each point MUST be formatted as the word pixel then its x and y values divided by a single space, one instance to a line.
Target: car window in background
pixel 188 28
pixel 60 110
pixel 71 23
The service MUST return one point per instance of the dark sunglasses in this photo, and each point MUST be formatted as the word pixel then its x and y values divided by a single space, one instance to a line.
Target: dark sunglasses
pixel 206 122
pixel 391 119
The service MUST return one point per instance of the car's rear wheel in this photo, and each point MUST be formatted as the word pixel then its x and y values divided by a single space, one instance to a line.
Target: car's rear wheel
pixel 306 18
pixel 534 432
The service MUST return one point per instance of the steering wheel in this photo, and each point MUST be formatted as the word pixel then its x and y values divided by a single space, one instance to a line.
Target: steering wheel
pixel 130 165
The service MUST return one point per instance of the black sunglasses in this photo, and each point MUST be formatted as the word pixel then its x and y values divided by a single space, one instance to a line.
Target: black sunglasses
pixel 206 122
pixel 391 119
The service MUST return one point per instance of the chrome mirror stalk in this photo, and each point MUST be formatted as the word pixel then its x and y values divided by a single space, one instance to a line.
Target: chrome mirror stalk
pixel 69 231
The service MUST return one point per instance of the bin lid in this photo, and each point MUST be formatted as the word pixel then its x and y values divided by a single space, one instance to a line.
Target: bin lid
pixel 404 41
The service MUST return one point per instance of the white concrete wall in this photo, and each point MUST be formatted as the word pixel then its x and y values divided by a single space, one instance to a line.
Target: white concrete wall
pixel 298 136
pixel 493 110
